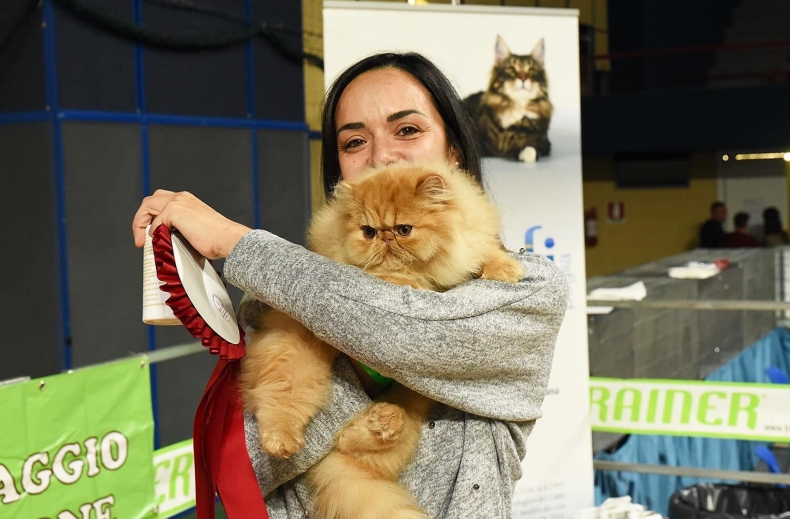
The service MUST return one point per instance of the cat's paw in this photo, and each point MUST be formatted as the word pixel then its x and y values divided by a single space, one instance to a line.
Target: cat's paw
pixel 384 420
pixel 380 425
pixel 502 269
pixel 281 442
pixel 528 154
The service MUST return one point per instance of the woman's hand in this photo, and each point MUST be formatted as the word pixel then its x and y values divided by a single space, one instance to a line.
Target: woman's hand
pixel 210 233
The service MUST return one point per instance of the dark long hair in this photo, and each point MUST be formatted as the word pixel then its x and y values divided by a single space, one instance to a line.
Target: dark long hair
pixel 458 126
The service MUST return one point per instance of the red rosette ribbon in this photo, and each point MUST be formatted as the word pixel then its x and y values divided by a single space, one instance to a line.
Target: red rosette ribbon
pixel 181 305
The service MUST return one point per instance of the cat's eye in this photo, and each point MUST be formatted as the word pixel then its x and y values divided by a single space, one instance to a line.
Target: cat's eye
pixel 404 230
pixel 368 232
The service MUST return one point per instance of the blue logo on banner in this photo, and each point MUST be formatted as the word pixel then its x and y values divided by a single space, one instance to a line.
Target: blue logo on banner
pixel 533 241
pixel 529 241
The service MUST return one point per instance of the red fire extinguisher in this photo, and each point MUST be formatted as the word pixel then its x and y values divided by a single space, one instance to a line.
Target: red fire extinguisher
pixel 590 228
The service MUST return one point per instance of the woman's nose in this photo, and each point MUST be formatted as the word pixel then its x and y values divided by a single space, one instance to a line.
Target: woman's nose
pixel 384 154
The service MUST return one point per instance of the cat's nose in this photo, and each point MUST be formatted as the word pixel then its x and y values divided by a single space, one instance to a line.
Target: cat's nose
pixel 387 236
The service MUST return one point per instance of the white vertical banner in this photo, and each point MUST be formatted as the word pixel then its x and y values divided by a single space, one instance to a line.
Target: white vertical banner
pixel 535 55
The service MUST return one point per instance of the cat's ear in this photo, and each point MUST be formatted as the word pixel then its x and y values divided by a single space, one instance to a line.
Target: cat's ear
pixel 501 50
pixel 434 189
pixel 539 52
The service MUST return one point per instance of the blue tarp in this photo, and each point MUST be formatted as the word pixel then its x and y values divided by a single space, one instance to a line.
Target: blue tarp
pixel 654 491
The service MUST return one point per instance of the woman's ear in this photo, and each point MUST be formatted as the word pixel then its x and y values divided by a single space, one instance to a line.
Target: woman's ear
pixel 453 157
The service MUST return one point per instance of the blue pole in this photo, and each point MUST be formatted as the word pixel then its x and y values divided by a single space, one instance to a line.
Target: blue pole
pixel 50 78
pixel 139 75
pixel 251 115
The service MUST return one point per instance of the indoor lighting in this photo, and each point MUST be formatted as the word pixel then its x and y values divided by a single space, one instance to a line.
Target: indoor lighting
pixel 725 158
pixel 787 156
pixel 761 156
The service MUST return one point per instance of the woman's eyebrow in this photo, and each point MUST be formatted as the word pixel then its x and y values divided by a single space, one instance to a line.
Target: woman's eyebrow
pixel 392 117
pixel 402 113
pixel 351 126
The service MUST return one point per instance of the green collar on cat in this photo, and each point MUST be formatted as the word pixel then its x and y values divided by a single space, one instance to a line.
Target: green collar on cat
pixel 376 376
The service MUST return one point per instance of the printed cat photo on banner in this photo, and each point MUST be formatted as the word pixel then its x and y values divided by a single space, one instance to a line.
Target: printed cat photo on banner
pixel 513 115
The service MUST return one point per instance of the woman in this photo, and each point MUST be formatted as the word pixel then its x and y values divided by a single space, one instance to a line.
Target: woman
pixel 483 350
pixel 774 234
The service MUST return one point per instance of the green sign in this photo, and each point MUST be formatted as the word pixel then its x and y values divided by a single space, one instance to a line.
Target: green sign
pixel 691 408
pixel 174 472
pixel 78 445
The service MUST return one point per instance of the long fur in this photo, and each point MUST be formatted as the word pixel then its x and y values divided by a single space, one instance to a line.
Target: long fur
pixel 451 235
pixel 513 115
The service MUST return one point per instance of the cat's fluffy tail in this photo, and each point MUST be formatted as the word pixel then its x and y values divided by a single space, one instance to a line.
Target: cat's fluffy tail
pixel 345 490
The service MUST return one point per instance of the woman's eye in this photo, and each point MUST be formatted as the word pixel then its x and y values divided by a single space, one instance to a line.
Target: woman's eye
pixel 408 131
pixel 404 230
pixel 368 232
pixel 354 143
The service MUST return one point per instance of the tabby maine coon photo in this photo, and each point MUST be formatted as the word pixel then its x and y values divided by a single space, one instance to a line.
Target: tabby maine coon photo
pixel 512 117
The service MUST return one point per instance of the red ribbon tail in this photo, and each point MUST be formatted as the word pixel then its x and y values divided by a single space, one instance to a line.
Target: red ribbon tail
pixel 222 463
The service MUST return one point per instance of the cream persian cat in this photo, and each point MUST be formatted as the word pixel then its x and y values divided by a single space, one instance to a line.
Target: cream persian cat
pixel 429 227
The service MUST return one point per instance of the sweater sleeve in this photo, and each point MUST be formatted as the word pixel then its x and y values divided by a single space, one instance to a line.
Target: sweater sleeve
pixel 484 347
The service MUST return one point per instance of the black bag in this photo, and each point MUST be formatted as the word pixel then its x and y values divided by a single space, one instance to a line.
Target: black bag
pixel 717 501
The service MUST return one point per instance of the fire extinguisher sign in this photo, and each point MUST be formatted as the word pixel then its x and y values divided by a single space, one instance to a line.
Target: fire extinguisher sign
pixel 591 228
pixel 616 212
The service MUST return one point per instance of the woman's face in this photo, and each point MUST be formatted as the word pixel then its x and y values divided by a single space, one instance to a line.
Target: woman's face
pixel 386 116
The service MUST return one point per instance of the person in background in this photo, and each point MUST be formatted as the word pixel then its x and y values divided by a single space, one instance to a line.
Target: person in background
pixel 712 230
pixel 773 232
pixel 740 237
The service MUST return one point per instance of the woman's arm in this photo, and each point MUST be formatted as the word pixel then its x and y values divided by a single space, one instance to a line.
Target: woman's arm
pixel 484 347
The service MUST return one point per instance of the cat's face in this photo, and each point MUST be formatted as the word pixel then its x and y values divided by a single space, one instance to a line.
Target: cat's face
pixel 520 77
pixel 396 219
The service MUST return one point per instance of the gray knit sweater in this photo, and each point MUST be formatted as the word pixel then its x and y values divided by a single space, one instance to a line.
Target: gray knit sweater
pixel 483 350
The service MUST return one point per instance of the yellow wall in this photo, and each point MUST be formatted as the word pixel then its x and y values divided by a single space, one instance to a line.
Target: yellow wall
pixel 313 30
pixel 658 222
pixel 313 27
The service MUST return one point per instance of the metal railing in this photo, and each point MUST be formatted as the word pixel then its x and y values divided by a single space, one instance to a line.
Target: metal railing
pixel 174 352
pixel 693 472
pixel 677 304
